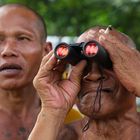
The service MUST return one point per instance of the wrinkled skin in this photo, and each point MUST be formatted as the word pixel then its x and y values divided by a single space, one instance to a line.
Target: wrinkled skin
pixel 111 94
pixel 117 103
pixel 121 50
pixel 21 52
pixel 117 118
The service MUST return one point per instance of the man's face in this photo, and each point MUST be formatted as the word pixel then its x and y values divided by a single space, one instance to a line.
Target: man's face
pixel 114 97
pixel 20 48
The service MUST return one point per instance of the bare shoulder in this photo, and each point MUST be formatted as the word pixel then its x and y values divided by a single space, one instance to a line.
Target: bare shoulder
pixel 70 131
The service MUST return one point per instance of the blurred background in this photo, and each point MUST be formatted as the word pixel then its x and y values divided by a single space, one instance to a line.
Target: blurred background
pixel 67 19
pixel 72 17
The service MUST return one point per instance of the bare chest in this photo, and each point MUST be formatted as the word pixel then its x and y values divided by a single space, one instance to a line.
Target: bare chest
pixel 14 132
pixel 95 136
pixel 15 128
pixel 124 135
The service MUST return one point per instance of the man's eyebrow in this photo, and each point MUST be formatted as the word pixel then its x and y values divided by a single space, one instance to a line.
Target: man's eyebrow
pixel 23 33
pixel 20 31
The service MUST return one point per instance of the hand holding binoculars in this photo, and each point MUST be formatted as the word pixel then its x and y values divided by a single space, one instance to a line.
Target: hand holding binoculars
pixel 92 50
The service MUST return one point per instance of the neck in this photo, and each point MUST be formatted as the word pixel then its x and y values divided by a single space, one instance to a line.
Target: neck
pixel 118 127
pixel 18 101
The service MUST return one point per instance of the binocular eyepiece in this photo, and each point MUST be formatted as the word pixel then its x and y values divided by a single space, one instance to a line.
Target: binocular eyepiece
pixel 92 50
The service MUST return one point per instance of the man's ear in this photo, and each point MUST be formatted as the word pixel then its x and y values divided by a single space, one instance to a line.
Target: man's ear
pixel 47 48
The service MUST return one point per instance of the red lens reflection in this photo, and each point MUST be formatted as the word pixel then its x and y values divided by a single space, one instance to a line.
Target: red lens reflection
pixel 62 51
pixel 91 49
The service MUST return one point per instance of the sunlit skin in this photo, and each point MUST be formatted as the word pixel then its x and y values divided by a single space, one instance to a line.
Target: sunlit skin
pixel 21 52
pixel 117 118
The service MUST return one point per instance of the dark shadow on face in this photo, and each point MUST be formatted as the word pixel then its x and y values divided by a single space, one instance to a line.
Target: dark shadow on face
pixel 112 97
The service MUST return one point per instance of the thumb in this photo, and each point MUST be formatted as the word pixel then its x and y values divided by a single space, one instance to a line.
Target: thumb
pixel 77 71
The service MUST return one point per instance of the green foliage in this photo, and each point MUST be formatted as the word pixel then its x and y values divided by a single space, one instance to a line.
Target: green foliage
pixel 72 17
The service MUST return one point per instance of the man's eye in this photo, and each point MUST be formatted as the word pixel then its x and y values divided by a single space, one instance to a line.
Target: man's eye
pixel 1 38
pixel 21 38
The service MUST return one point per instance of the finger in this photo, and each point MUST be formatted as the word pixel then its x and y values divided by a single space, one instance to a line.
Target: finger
pixel 47 68
pixel 77 71
pixel 118 52
pixel 109 46
pixel 46 58
pixel 109 35
pixel 92 35
pixel 60 67
pixel 102 31
pixel 59 70
pixel 51 63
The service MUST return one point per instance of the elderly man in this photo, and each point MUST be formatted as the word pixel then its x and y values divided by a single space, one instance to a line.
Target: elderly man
pixel 22 46
pixel 113 115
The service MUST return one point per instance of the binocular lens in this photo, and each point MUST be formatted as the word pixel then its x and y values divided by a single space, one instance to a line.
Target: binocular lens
pixel 62 51
pixel 74 53
pixel 91 49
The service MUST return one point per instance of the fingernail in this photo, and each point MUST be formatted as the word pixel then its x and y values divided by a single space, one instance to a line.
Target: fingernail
pixel 101 31
pixel 101 38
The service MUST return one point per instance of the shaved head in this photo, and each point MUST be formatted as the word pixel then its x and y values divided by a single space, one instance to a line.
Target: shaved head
pixel 39 22
pixel 93 34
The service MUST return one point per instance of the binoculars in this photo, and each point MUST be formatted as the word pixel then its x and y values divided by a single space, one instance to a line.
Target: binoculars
pixel 73 53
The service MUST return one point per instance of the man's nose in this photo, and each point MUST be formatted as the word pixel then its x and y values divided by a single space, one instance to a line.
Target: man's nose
pixel 9 49
pixel 95 74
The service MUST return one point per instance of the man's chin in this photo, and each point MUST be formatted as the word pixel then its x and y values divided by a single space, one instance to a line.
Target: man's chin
pixel 98 114
pixel 86 109
pixel 91 110
pixel 95 115
pixel 10 85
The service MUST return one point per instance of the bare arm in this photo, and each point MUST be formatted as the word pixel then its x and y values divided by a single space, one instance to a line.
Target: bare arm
pixel 57 96
pixel 50 127
pixel 47 126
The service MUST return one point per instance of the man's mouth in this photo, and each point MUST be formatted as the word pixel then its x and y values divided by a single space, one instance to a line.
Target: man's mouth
pixel 103 90
pixel 7 67
pixel 107 90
